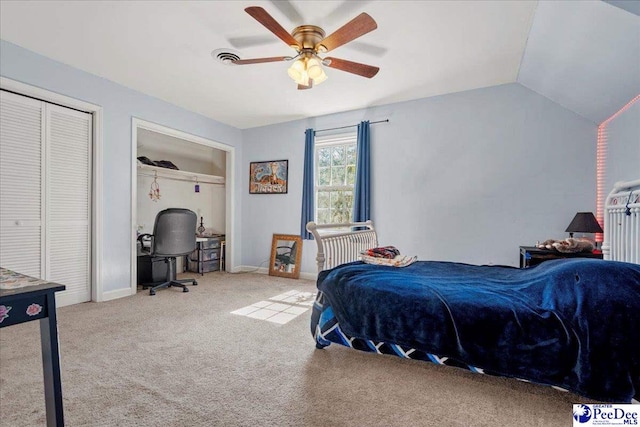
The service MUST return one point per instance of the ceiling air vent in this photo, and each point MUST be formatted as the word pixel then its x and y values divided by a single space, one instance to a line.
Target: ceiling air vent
pixel 226 56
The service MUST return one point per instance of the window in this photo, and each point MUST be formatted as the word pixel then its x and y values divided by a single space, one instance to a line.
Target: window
pixel 335 177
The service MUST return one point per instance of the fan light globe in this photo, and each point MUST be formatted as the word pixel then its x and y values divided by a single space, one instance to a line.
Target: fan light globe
pixel 322 77
pixel 296 70
pixel 294 74
pixel 314 69
pixel 304 79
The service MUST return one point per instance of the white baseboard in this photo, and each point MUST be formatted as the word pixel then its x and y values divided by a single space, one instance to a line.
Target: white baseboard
pixel 309 276
pixel 265 270
pixel 118 293
pixel 250 269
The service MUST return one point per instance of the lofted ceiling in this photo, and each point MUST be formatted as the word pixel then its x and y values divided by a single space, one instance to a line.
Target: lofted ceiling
pixel 423 48
pixel 584 55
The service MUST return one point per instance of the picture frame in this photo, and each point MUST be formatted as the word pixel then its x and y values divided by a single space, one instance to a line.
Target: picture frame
pixel 269 177
pixel 286 255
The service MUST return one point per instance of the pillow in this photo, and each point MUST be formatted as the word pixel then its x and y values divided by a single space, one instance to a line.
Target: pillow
pixel 388 252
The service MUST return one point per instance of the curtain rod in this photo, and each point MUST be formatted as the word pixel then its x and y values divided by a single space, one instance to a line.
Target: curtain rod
pixel 350 126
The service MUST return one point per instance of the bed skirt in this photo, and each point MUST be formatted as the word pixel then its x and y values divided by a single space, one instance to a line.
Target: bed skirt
pixel 326 330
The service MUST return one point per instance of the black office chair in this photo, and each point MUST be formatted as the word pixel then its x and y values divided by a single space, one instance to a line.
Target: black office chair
pixel 174 235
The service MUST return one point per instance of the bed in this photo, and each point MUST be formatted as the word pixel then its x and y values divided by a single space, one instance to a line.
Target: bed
pixel 572 324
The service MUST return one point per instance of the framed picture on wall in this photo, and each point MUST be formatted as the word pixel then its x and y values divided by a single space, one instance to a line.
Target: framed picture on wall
pixel 270 177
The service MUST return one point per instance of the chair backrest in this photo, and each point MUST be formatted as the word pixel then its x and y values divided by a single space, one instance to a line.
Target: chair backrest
pixel 292 255
pixel 174 232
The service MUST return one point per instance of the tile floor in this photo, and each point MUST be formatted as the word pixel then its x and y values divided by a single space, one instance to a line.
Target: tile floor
pixel 280 308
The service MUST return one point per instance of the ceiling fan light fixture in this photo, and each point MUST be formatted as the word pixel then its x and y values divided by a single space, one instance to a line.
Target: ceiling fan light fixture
pixel 304 78
pixel 296 70
pixel 314 69
pixel 322 77
pixel 309 41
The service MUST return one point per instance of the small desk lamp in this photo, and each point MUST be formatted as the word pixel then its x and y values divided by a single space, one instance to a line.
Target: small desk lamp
pixel 583 222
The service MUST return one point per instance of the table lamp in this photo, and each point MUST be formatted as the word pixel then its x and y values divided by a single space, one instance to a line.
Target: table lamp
pixel 583 222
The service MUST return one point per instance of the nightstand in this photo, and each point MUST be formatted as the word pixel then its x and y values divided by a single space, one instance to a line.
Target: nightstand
pixel 530 255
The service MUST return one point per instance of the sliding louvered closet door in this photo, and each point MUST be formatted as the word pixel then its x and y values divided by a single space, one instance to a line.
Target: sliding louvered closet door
pixel 45 181
pixel 21 225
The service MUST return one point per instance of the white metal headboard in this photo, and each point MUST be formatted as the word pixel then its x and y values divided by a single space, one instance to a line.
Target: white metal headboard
pixel 622 223
pixel 339 247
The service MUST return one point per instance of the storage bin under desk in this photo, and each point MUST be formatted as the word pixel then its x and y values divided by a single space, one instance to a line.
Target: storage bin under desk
pixel 207 255
pixel 153 269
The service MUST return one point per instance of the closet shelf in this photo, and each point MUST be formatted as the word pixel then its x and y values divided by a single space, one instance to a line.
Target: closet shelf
pixel 178 175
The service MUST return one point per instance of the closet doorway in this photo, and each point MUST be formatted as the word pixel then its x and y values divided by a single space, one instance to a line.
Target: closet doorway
pixel 174 169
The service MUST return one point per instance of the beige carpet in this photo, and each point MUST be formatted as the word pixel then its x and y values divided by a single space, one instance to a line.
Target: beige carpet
pixel 181 359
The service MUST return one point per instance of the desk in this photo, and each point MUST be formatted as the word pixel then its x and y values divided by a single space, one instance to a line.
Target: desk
pixel 22 299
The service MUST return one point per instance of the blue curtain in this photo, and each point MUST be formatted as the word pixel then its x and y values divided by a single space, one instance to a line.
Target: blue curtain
pixel 307 185
pixel 362 196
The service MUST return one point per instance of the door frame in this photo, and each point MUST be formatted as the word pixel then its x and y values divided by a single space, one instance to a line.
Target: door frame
pixel 96 167
pixel 137 123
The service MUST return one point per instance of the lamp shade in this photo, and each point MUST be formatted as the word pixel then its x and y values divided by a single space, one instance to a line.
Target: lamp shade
pixel 314 69
pixel 584 222
pixel 296 70
pixel 320 79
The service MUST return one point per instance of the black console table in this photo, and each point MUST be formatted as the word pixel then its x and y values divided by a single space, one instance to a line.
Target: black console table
pixel 22 299
pixel 531 255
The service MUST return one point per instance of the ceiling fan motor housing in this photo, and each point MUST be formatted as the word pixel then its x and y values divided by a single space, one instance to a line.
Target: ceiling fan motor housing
pixel 308 36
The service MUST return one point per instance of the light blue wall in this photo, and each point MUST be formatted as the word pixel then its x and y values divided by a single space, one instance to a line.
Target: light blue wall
pixel 119 104
pixel 623 147
pixel 464 177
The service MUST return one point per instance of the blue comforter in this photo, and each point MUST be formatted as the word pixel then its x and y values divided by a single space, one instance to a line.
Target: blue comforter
pixel 574 323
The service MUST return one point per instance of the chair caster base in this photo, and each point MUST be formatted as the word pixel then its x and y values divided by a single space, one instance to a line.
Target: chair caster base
pixel 154 287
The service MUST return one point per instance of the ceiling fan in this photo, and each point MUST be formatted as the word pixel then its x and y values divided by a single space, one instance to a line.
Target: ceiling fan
pixel 309 42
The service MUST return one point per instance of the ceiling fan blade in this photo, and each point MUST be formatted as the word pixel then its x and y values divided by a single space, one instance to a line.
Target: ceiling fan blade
pixel 358 26
pixel 260 60
pixel 303 87
pixel 352 67
pixel 261 15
